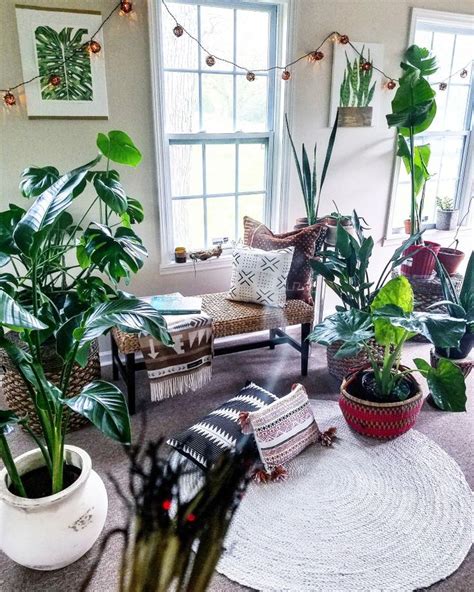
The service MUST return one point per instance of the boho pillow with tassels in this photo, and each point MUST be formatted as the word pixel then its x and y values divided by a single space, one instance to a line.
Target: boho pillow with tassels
pixel 282 430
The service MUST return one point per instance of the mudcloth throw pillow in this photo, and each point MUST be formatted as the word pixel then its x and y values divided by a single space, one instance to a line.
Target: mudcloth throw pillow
pixel 305 241
pixel 204 441
pixel 283 429
pixel 260 276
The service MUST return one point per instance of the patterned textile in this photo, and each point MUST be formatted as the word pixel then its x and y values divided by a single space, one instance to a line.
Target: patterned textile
pixel 204 441
pixel 305 241
pixel 283 429
pixel 186 365
pixel 260 276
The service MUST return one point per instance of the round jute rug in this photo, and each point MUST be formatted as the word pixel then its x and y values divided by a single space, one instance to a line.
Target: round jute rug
pixel 360 516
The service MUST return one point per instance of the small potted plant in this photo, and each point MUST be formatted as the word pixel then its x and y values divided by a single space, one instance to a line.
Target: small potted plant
pixel 446 214
pixel 383 399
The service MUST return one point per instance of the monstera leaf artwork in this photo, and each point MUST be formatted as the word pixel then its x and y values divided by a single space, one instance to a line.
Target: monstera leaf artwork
pixel 52 47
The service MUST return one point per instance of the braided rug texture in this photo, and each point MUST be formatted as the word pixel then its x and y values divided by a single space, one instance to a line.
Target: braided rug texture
pixel 361 516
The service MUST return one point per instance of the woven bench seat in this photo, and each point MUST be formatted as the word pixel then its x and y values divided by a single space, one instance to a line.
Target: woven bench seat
pixel 230 318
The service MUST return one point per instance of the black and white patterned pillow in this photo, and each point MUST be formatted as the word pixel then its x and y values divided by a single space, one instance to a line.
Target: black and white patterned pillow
pixel 260 276
pixel 204 441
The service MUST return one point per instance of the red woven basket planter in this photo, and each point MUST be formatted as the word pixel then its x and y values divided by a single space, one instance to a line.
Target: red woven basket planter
pixel 379 420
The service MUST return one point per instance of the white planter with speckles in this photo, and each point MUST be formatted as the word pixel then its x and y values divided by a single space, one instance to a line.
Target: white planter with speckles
pixel 52 532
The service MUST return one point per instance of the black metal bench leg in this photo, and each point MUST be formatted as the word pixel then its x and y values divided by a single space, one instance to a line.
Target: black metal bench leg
pixel 115 370
pixel 272 333
pixel 305 331
pixel 130 381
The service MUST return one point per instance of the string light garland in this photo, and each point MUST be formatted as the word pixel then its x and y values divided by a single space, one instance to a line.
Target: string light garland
pixel 125 7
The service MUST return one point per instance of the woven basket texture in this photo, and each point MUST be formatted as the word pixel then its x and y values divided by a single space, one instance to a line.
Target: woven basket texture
pixel 234 318
pixel 341 367
pixel 17 396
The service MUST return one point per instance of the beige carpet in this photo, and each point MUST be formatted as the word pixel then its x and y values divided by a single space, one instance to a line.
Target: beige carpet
pixel 275 370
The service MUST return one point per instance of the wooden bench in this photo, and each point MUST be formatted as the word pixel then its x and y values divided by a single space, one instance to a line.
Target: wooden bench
pixel 230 318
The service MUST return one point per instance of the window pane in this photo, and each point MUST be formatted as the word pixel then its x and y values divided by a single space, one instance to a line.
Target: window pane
pixel 252 100
pixel 180 52
pixel 250 205
pixel 451 158
pixel 253 25
pixel 217 102
pixel 181 102
pixel 463 54
pixel 220 218
pixel 217 35
pixel 188 222
pixel 443 44
pixel 423 38
pixel 220 168
pixel 186 169
pixel 456 108
pixel 252 167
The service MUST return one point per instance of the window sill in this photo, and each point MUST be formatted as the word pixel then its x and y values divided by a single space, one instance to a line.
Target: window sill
pixel 170 268
pixel 440 236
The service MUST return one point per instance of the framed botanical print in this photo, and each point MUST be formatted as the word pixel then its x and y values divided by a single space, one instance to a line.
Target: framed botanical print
pixel 53 45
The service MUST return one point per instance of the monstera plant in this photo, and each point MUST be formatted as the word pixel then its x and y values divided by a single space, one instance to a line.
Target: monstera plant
pixel 62 289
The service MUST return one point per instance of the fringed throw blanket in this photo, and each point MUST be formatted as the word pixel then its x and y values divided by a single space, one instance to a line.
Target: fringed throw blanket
pixel 184 366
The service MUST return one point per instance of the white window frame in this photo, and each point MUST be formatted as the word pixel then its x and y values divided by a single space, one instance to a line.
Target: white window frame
pixel 455 22
pixel 278 149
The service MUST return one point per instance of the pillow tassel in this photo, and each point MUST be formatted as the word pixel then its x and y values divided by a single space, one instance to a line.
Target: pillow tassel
pixel 244 420
pixel 328 437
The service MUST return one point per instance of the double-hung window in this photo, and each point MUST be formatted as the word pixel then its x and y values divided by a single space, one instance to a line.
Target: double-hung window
pixel 450 37
pixel 218 125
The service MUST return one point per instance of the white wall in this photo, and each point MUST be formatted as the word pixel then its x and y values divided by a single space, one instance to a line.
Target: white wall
pixel 362 165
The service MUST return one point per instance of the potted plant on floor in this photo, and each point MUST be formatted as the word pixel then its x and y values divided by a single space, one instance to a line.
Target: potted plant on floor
pixel 446 214
pixel 413 111
pixel 307 176
pixel 58 271
pixel 52 504
pixel 383 399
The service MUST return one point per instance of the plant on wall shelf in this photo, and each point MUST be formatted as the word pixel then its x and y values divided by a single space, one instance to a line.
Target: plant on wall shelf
pixel 356 89
pixel 307 174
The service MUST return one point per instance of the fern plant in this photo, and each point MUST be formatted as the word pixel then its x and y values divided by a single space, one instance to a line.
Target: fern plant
pixel 356 89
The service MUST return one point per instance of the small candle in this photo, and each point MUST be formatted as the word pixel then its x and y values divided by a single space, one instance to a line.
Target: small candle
pixel 180 255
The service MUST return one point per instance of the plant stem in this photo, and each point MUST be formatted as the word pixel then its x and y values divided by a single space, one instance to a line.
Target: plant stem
pixel 6 456
pixel 414 228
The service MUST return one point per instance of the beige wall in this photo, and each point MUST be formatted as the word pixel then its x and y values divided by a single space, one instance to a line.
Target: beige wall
pixel 362 167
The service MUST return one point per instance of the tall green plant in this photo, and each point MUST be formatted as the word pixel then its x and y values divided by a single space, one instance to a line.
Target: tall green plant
pixel 307 175
pixel 63 289
pixel 413 111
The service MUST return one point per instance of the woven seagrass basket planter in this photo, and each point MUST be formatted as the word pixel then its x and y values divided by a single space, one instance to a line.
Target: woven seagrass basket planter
pixel 383 421
pixel 341 367
pixel 465 365
pixel 17 396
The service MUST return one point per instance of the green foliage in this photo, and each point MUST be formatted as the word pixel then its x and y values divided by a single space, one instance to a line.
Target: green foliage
pixel 119 147
pixel 75 73
pixel 413 111
pixel 308 176
pixel 356 89
pixel 46 298
pixel 445 203
pixel 445 378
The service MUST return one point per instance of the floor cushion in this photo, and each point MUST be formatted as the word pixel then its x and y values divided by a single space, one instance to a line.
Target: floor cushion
pixel 305 241
pixel 204 441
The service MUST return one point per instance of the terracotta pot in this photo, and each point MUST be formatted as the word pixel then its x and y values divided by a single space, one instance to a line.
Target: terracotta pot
pixel 407 225
pixel 451 259
pixel 379 420
pixel 331 224
pixel 422 261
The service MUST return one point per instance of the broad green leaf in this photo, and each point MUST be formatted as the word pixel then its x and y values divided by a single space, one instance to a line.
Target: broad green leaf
pixel 8 221
pixel 117 255
pixel 119 147
pixel 322 268
pixel 35 180
pixel 48 206
pixel 397 292
pixel 466 296
pixel 8 283
pixel 111 192
pixel 15 317
pixel 351 326
pixel 104 405
pixel 134 211
pixel 420 58
pixel 446 383
pixel 343 242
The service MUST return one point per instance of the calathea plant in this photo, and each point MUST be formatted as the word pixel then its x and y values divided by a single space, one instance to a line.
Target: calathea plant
pixel 62 289
pixel 391 321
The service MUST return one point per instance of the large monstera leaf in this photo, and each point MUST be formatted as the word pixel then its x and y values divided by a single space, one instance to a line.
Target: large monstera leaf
pixel 48 206
pixel 119 147
pixel 75 72
pixel 35 180
pixel 103 404
pixel 110 191
pixel 117 255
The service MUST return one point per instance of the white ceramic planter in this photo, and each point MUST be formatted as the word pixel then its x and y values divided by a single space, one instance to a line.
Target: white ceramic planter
pixel 52 532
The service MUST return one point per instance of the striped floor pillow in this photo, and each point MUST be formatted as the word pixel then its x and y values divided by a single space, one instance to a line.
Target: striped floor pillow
pixel 283 429
pixel 204 441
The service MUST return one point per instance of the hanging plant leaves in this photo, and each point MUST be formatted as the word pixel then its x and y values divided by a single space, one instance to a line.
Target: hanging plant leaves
pixel 119 147
pixel 103 404
pixel 111 192
pixel 52 48
pixel 34 180
pixel 117 255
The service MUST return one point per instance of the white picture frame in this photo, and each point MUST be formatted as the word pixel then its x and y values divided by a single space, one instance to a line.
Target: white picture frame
pixel 357 109
pixel 45 34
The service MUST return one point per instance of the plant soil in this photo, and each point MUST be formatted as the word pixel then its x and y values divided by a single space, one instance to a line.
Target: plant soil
pixel 37 483
pixel 356 389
